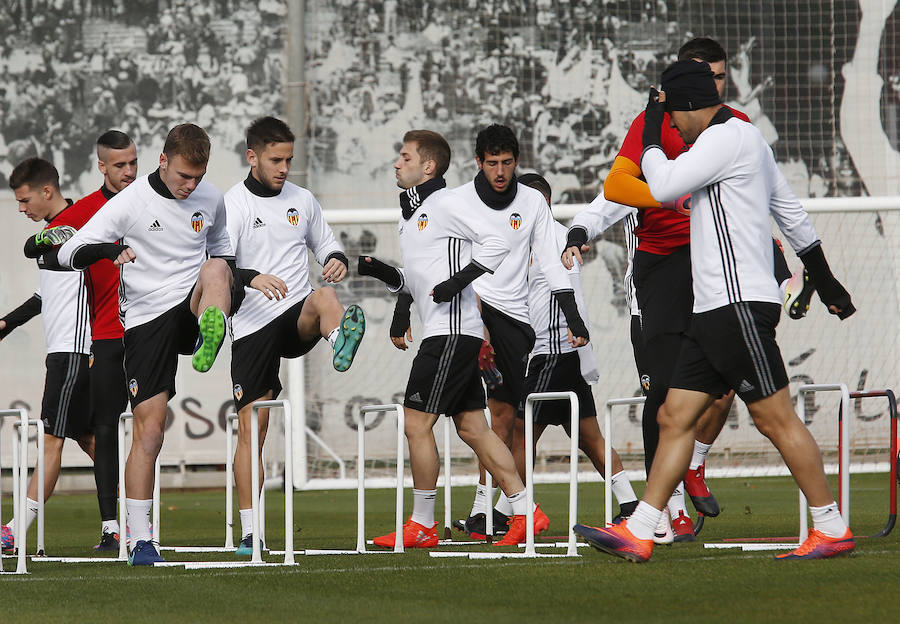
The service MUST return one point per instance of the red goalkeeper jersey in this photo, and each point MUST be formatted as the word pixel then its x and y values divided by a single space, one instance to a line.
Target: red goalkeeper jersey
pixel 660 230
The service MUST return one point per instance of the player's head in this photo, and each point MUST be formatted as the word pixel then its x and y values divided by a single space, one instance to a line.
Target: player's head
pixel 116 159
pixel 35 183
pixel 424 155
pixel 691 97
pixel 270 150
pixel 184 159
pixel 537 181
pixel 497 155
pixel 709 51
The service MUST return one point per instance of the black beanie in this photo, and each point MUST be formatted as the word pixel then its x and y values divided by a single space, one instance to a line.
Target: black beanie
pixel 689 85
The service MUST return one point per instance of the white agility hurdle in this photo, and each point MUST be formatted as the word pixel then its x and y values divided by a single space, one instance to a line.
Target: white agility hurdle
pixel 39 475
pixel 20 488
pixel 607 451
pixel 844 470
pixel 530 550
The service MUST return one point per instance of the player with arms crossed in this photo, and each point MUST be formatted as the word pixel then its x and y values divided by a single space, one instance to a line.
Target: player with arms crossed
pixel 436 236
pixel 273 224
pixel 117 161
pixel 735 186
pixel 62 301
pixel 519 215
pixel 175 260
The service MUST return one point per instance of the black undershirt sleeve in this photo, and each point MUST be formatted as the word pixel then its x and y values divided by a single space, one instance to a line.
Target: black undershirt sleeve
pixel 21 315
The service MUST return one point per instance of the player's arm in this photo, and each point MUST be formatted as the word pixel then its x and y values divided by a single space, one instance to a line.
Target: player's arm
pixel 21 315
pixel 705 163
pixel 320 238
pixel 47 239
pixel 91 243
pixel 588 225
pixel 400 322
pixel 389 274
pixel 797 227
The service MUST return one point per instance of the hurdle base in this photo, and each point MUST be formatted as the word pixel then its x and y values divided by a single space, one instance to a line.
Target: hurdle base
pixel 499 555
pixel 45 559
pixel 754 546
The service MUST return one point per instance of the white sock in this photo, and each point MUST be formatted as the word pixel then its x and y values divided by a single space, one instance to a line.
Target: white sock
pixel 518 503
pixel 332 336
pixel 423 507
pixel 828 520
pixel 31 510
pixel 246 522
pixel 642 522
pixel 621 488
pixel 138 513
pixel 699 456
pixel 676 502
pixel 481 496
pixel 110 526
pixel 503 505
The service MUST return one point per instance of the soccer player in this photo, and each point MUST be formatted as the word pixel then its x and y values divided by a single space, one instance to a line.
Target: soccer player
pixel 662 280
pixel 117 161
pixel 437 229
pixel 273 224
pixel 519 215
pixel 175 261
pixel 735 186
pixel 62 301
pixel 556 366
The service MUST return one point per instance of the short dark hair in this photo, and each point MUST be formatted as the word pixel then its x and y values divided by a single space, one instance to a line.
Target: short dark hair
pixel 267 130
pixel 431 146
pixel 188 141
pixel 495 139
pixel 536 181
pixel 35 172
pixel 703 48
pixel 114 139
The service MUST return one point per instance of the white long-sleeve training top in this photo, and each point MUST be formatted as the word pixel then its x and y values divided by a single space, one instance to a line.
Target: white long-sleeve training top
pixel 735 185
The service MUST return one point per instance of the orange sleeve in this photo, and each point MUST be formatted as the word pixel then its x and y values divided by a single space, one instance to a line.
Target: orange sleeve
pixel 623 185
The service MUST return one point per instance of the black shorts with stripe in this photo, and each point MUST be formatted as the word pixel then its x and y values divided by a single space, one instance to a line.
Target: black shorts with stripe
pixel 256 358
pixel 152 349
pixel 732 348
pixel 512 340
pixel 109 390
pixel 557 373
pixel 66 405
pixel 444 378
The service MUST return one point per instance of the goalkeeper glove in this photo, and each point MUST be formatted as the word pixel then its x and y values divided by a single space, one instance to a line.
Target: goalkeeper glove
pixel 489 371
pixel 831 292
pixel 653 118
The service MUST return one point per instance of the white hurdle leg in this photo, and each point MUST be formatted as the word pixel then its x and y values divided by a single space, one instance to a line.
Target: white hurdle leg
pixel 448 512
pixel 285 405
pixel 489 497
pixel 360 468
pixel 607 452
pixel 156 488
pixel 38 475
pixel 254 484
pixel 230 428
pixel 19 486
pixel 123 516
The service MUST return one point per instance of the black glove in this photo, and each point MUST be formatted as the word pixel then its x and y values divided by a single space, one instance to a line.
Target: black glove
pixel 390 275
pixel 446 290
pixel 653 118
pixel 400 322
pixel 89 254
pixel 576 237
pixel 566 299
pixel 831 292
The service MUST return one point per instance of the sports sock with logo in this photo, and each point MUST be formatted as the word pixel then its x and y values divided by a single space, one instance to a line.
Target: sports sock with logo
pixel 138 513
pixel 246 522
pixel 503 505
pixel 481 495
pixel 828 520
pixel 699 456
pixel 31 511
pixel 621 487
pixel 333 335
pixel 676 501
pixel 642 523
pixel 423 507
pixel 110 526
pixel 518 503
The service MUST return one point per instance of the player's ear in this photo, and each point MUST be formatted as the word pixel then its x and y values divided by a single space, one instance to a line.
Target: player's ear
pixel 252 158
pixel 430 167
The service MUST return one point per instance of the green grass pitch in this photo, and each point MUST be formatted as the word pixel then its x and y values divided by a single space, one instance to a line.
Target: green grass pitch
pixel 682 583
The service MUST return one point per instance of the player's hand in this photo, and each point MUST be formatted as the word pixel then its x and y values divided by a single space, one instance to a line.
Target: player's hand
pixel 125 256
pixel 334 271
pixel 653 118
pixel 576 342
pixel 682 205
pixel 489 371
pixel 572 254
pixel 269 285
pixel 400 343
pixel 53 236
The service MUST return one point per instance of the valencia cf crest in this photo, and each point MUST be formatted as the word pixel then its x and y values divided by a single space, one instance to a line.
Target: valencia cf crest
pixel 238 392
pixel 133 387
pixel 423 221
pixel 293 216
pixel 197 221
pixel 645 382
pixel 515 220
pixel 91 359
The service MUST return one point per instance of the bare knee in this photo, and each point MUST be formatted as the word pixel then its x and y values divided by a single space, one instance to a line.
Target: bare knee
pixel 215 269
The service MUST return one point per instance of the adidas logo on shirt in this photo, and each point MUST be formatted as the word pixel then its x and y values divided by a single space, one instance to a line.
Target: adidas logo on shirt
pixel 258 223
pixel 155 226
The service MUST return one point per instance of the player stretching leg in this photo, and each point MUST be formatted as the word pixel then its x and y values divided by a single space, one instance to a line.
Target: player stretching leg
pixel 436 235
pixel 737 304
pixel 556 366
pixel 273 224
pixel 175 298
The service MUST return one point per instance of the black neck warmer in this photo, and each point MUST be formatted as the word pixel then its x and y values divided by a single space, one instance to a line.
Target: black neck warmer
pixel 412 198
pixel 159 186
pixel 258 188
pixel 495 200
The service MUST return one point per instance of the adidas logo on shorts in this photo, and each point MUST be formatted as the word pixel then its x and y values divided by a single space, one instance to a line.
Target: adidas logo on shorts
pixel 415 398
pixel 155 226
pixel 746 386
